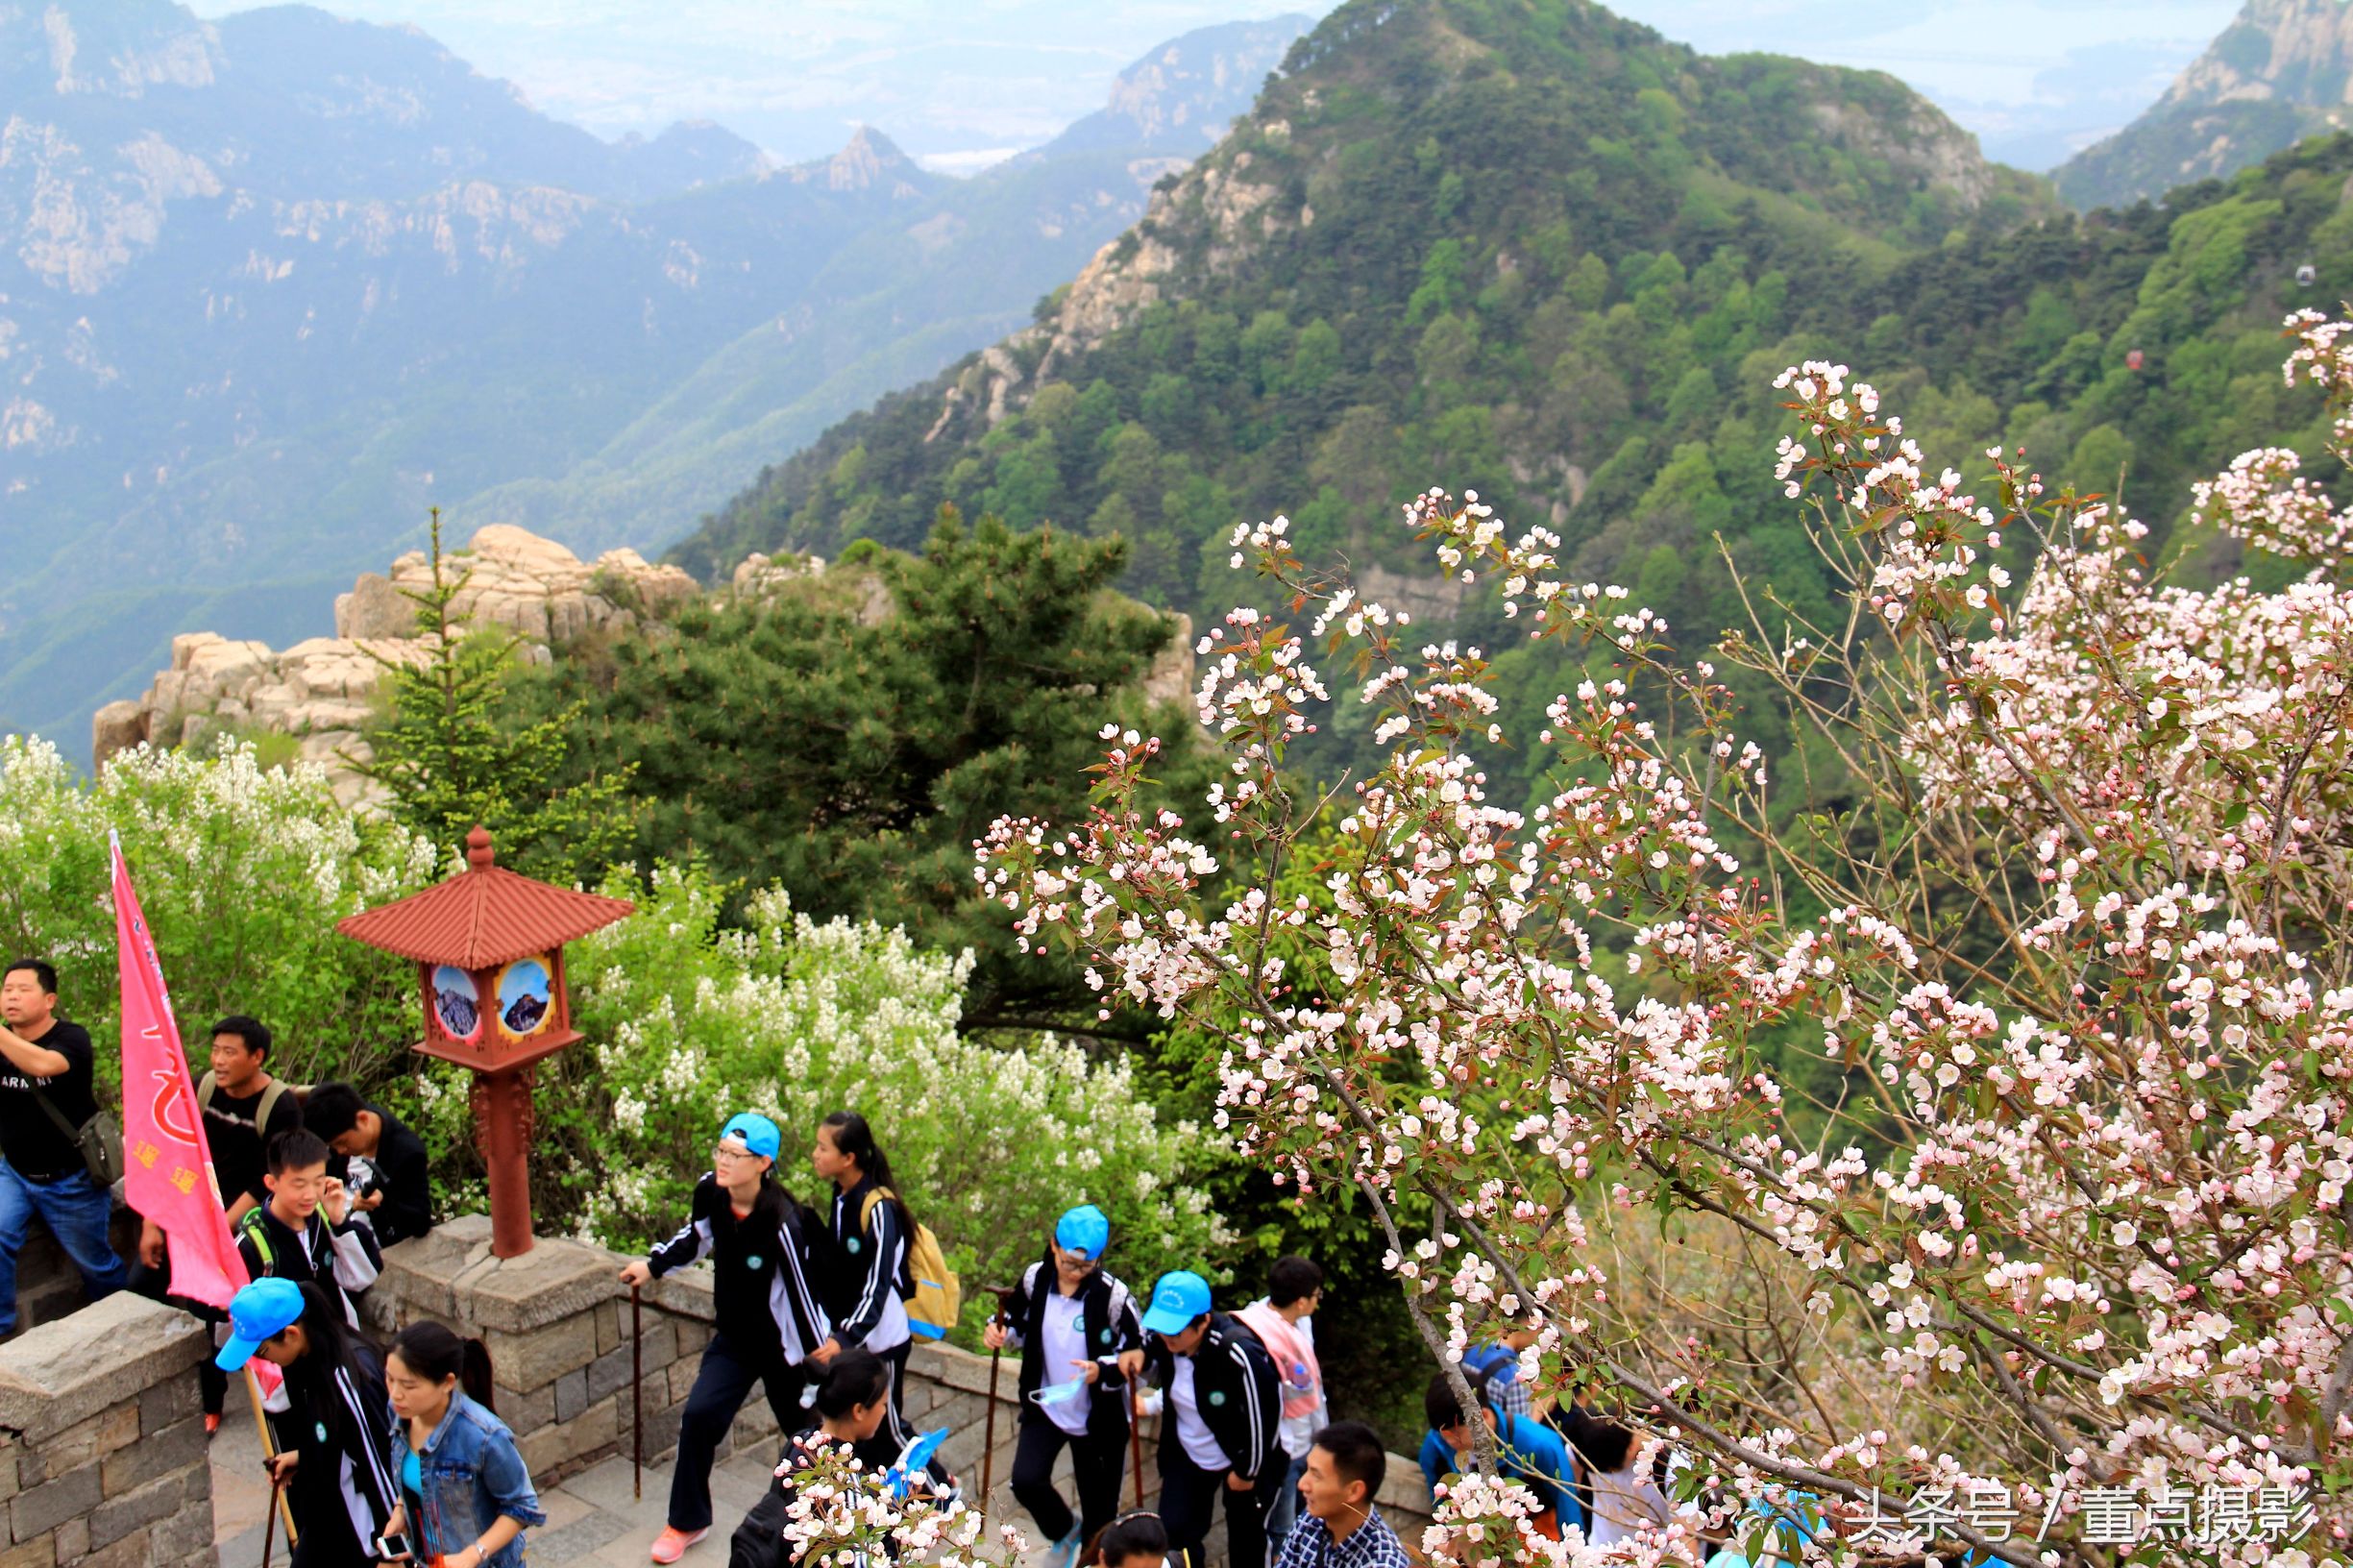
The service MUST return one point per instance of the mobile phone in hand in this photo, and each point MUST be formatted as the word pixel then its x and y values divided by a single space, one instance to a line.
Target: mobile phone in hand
pixel 392 1545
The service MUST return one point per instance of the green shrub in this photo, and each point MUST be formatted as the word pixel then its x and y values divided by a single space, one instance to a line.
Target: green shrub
pixel 242 869
pixel 792 1019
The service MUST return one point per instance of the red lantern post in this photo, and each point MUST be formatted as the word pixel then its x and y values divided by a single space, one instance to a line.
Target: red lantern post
pixel 489 950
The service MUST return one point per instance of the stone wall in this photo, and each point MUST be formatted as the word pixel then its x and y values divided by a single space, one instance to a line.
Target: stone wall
pixel 48 1286
pixel 556 1323
pixel 102 1441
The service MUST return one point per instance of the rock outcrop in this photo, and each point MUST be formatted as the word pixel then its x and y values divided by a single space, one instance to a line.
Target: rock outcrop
pixel 324 691
pixel 327 691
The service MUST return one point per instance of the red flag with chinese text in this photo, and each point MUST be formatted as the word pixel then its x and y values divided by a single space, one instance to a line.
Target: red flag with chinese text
pixel 167 1165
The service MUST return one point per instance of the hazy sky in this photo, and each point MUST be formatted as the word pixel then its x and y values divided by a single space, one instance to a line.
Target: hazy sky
pixel 962 82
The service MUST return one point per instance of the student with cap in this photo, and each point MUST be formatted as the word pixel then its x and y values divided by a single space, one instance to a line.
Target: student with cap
pixel 1081 1339
pixel 768 1324
pixel 1227 1403
pixel 334 1439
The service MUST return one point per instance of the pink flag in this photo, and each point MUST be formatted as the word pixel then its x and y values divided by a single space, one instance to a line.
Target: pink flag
pixel 168 1166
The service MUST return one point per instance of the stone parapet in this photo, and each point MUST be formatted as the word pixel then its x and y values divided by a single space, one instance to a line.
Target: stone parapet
pixel 102 1441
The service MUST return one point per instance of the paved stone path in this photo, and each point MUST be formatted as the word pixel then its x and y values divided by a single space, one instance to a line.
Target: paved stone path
pixel 593 1518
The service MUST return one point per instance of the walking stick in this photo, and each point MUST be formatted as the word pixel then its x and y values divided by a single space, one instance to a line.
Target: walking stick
pixel 637 1396
pixel 988 1440
pixel 1135 1438
pixel 269 1524
pixel 261 1425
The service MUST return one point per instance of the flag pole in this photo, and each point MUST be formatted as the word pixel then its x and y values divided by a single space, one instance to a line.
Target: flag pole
pixel 261 1425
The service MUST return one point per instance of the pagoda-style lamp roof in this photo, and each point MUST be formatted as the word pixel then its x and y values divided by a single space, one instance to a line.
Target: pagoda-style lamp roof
pixel 489 950
pixel 484 916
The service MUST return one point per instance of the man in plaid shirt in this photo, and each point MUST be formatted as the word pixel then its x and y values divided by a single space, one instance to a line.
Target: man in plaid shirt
pixel 1340 1529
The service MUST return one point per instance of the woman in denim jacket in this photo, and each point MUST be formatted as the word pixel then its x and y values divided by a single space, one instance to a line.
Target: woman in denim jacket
pixel 462 1483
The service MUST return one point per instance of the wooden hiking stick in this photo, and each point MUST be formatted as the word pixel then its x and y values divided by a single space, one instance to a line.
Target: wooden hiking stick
pixel 261 1425
pixel 637 1397
pixel 996 1363
pixel 1135 1438
pixel 269 1523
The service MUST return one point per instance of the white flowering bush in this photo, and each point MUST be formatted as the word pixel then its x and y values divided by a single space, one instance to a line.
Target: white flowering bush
pixel 243 872
pixel 792 1019
pixel 2060 1273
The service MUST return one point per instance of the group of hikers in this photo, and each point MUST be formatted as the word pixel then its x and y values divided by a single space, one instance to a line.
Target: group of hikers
pixel 401 1455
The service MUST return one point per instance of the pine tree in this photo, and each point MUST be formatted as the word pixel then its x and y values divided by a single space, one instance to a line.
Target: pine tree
pixel 449 762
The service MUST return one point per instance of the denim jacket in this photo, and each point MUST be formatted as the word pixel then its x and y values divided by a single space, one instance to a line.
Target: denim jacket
pixel 471 1476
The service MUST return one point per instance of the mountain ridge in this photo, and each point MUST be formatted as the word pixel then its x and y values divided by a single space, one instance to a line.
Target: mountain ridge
pixel 1790 147
pixel 278 282
pixel 2282 70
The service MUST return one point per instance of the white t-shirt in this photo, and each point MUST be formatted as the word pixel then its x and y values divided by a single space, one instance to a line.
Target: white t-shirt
pixel 1626 1500
pixel 1061 1343
pixel 1192 1433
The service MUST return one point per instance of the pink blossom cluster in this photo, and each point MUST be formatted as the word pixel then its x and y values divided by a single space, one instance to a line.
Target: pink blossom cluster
pixel 2089 996
pixel 844 1514
pixel 2264 498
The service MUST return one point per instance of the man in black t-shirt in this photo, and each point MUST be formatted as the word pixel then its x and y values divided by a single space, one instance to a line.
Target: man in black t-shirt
pixel 234 1098
pixel 243 1108
pixel 42 1172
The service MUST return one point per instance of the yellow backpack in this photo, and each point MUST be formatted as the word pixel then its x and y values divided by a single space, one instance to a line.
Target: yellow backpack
pixel 939 1295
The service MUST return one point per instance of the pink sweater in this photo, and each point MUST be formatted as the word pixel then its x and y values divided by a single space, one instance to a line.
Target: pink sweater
pixel 1290 1350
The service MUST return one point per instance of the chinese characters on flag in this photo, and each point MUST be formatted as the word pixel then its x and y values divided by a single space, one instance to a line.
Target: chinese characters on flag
pixel 167 1167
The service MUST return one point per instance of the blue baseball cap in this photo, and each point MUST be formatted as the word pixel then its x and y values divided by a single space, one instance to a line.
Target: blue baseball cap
pixel 262 1309
pixel 1177 1300
pixel 755 1132
pixel 1084 1230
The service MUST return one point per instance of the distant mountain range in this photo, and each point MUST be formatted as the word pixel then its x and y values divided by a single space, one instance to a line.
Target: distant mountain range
pixel 271 285
pixel 2279 73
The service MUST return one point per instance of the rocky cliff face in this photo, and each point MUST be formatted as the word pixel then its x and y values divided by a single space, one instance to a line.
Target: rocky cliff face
pixel 324 691
pixel 2282 71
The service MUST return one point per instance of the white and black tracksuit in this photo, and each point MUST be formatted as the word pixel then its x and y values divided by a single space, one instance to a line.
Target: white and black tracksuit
pixel 865 1282
pixel 344 1487
pixel 767 1321
pixel 1223 1412
pixel 342 1260
pixel 1098 1323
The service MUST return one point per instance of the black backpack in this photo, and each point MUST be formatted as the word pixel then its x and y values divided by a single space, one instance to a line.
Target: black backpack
pixel 758 1542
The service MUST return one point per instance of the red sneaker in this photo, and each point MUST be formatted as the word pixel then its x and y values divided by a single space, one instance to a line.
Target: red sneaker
pixel 212 1424
pixel 671 1545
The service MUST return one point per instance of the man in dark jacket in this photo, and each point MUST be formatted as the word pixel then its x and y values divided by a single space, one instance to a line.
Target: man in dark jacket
pixel 383 1164
pixel 1081 1340
pixel 1225 1404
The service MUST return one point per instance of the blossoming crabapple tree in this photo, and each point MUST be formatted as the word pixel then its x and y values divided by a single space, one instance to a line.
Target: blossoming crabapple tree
pixel 846 1515
pixel 2056 900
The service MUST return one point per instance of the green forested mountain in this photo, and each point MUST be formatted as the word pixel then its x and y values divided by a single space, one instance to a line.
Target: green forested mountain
pixel 1525 247
pixel 1520 245
pixel 2282 70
